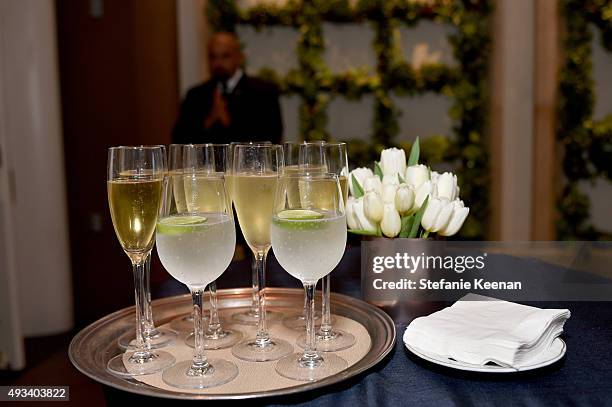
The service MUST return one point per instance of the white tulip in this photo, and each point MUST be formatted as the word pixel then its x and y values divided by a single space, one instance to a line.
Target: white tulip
pixel 391 222
pixel 421 193
pixel 351 218
pixel 446 186
pixel 373 184
pixel 373 206
pixel 388 193
pixel 404 199
pixel 458 216
pixel 360 174
pixel 458 203
pixel 434 206
pixel 437 214
pixel 444 216
pixel 433 176
pixel 416 175
pixel 392 161
pixel 390 179
pixel 363 222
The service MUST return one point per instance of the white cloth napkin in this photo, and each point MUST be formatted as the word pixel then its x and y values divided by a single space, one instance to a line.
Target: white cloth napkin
pixel 478 329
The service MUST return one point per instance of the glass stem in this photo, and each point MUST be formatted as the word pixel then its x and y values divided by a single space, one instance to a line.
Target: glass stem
pixel 304 309
pixel 143 344
pixel 199 364
pixel 326 326
pixel 149 324
pixel 255 284
pixel 214 326
pixel 310 352
pixel 262 338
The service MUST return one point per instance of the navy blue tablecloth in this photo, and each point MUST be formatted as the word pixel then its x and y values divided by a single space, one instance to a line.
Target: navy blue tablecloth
pixel 582 377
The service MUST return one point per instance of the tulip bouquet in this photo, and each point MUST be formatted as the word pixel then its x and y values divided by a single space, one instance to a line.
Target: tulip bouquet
pixel 400 199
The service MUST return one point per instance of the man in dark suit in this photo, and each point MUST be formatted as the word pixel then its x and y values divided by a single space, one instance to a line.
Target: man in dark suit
pixel 230 106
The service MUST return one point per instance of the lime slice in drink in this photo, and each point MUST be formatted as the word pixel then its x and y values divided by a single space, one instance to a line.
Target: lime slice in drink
pixel 302 219
pixel 299 214
pixel 177 225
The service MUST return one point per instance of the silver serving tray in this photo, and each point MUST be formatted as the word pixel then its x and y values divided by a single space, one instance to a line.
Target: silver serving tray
pixel 91 348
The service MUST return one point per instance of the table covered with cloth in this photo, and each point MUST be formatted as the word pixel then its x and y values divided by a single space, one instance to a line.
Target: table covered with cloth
pixel 583 377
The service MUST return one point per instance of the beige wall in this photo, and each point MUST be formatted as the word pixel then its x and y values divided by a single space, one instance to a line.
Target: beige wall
pixel 31 127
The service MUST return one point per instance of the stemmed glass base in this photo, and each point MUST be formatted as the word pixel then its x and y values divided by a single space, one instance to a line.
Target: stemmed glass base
pixel 218 340
pixel 299 367
pixel 298 321
pixel 187 375
pixel 158 338
pixel 255 350
pixel 251 317
pixel 138 363
pixel 329 341
pixel 184 323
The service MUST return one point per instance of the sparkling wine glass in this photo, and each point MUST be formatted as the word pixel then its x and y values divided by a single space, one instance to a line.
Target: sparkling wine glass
pixel 200 193
pixel 251 316
pixel 332 156
pixel 134 184
pixel 158 337
pixel 309 239
pixel 254 178
pixel 195 247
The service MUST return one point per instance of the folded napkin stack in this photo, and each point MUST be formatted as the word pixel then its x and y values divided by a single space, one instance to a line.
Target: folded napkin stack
pixel 478 329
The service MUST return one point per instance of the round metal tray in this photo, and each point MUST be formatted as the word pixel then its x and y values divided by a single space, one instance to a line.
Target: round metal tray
pixel 91 348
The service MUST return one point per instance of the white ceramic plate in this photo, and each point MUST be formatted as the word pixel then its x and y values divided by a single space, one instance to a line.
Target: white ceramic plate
pixel 556 352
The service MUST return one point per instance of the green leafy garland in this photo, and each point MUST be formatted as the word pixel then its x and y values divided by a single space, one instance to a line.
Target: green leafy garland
pixel 587 144
pixel 316 84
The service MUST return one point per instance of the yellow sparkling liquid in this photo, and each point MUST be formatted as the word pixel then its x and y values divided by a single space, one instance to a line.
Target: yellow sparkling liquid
pixel 229 185
pixel 293 192
pixel 344 187
pixel 178 191
pixel 134 206
pixel 205 193
pixel 253 197
pixel 319 193
pixel 316 193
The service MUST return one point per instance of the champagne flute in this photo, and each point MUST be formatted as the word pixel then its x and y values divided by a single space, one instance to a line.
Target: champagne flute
pixel 201 196
pixel 309 240
pixel 196 247
pixel 254 178
pixel 250 316
pixel 135 178
pixel 159 337
pixel 291 152
pixel 333 157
